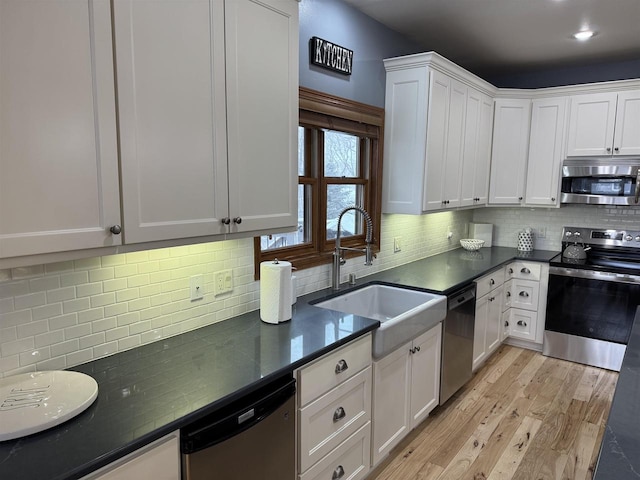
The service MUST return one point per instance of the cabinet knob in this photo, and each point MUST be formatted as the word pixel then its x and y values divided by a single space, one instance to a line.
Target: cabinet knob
pixel 339 414
pixel 510 271
pixel 417 349
pixel 341 366
pixel 237 220
pixel 608 149
pixel 338 473
pixel 508 294
pixel 525 270
pixel 226 220
pixel 616 149
pixel 506 323
pixel 116 229
pixel 553 199
pixel 522 323
pixel 492 281
pixel 492 299
pixel 520 198
pixel 523 294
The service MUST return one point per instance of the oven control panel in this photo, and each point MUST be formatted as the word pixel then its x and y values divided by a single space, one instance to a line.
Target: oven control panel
pixel 601 236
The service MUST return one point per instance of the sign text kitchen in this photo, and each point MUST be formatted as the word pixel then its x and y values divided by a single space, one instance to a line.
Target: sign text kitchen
pixel 329 55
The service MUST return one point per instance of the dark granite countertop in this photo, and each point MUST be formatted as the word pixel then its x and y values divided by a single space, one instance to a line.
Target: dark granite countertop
pixel 152 390
pixel 619 457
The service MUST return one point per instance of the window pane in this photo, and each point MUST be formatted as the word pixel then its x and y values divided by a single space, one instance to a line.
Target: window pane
pixel 341 154
pixel 301 169
pixel 302 235
pixel 338 198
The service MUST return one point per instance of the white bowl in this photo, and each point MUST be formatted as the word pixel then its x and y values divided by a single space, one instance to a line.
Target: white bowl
pixel 471 244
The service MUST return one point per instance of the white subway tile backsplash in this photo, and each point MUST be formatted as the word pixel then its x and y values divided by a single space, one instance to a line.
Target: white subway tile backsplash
pixel 117 302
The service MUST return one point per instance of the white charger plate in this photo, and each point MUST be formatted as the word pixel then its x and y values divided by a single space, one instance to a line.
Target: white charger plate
pixel 33 402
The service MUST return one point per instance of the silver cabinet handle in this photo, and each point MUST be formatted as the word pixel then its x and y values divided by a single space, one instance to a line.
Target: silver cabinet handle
pixel 506 323
pixel 116 229
pixel 508 294
pixel 341 366
pixel 608 149
pixel 521 323
pixel 338 473
pixel 492 281
pixel 523 294
pixel 226 221
pixel 510 271
pixel 525 270
pixel 339 414
pixel 237 220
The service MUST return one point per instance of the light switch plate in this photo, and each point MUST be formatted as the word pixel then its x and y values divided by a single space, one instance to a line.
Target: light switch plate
pixel 196 285
pixel 397 244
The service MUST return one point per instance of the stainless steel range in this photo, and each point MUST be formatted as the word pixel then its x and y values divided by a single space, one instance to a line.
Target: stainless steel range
pixel 594 289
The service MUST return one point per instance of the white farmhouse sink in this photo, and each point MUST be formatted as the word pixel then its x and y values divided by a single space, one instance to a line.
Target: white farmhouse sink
pixel 403 313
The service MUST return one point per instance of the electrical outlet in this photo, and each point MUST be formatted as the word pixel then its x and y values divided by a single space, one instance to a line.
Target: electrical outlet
pixel 449 232
pixel 196 284
pixel 223 282
pixel 541 232
pixel 397 244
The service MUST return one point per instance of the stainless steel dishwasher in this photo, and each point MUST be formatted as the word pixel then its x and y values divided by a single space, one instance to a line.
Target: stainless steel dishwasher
pixel 457 341
pixel 251 439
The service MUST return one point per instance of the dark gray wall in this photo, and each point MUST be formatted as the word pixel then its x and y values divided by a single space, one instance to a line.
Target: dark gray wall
pixel 339 23
pixel 602 72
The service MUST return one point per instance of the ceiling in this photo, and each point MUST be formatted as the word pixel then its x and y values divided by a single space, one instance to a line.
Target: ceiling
pixel 497 37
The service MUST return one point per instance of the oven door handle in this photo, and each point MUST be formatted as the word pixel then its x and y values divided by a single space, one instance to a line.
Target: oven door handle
pixel 594 275
pixel 637 187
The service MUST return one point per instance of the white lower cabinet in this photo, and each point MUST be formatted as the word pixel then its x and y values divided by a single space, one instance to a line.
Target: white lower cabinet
pixel 525 300
pixel 334 414
pixel 487 334
pixel 159 460
pixel 406 388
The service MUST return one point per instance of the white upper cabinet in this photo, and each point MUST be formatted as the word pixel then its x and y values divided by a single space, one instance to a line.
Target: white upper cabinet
pixel 476 149
pixel 58 144
pixel 604 124
pixel 427 132
pixel 445 120
pixel 171 102
pixel 208 128
pixel 262 102
pixel 509 152
pixel 546 147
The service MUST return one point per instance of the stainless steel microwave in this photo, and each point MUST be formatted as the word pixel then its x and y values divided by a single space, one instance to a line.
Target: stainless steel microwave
pixel 601 181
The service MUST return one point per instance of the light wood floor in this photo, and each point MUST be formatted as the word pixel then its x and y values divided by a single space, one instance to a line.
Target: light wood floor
pixel 522 416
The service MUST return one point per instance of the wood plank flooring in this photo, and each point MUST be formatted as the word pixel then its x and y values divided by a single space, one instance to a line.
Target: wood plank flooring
pixel 522 416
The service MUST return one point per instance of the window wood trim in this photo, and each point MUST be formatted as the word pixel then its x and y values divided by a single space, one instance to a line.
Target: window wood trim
pixel 323 110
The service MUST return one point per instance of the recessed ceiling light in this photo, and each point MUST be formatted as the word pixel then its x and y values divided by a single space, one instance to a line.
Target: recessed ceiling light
pixel 583 35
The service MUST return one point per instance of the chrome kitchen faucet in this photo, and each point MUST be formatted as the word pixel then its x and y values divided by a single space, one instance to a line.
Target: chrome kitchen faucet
pixel 337 253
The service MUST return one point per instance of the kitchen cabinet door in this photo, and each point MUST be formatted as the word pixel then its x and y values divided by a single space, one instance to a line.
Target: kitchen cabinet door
pixel 591 124
pixel 546 151
pixel 172 112
pixel 437 121
pixel 159 460
pixel 425 374
pixel 493 338
pixel 446 122
pixel 262 107
pixel 58 159
pixel 509 152
pixel 477 149
pixel 480 331
pixel 626 139
pixel 391 401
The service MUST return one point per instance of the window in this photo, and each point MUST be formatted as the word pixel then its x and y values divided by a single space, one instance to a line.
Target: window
pixel 339 165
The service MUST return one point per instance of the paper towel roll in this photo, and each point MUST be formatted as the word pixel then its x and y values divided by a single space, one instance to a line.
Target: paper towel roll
pixel 275 291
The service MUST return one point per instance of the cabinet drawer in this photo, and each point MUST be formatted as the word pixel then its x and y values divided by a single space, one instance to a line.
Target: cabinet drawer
pixel 523 294
pixel 490 281
pixel 348 461
pixel 522 324
pixel 524 270
pixel 332 418
pixel 332 369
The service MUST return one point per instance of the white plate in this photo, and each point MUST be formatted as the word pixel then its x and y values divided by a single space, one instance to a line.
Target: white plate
pixel 33 402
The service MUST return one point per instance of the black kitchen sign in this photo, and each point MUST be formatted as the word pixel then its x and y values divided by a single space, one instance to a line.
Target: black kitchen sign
pixel 331 56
